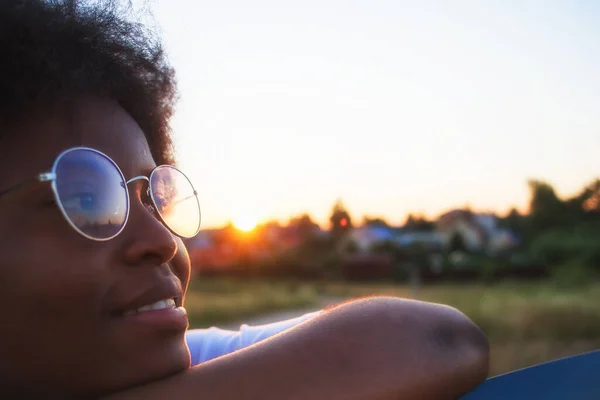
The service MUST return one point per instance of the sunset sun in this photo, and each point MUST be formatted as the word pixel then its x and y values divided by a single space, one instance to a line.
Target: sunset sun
pixel 245 223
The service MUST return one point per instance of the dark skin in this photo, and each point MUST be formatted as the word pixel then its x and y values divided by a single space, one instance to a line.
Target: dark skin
pixel 369 349
pixel 60 339
pixel 64 303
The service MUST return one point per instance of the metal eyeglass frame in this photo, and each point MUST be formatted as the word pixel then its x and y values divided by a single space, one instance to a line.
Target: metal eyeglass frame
pixel 51 177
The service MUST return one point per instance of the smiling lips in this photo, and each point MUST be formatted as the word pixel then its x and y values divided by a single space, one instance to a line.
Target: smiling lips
pixel 162 314
pixel 158 305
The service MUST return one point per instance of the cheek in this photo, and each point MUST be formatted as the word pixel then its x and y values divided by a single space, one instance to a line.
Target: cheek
pixel 181 264
pixel 55 294
pixel 50 280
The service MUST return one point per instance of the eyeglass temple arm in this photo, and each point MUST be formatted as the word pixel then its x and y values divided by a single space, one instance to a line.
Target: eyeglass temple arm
pixel 43 177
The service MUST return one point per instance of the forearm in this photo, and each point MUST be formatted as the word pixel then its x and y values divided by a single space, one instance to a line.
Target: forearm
pixel 379 348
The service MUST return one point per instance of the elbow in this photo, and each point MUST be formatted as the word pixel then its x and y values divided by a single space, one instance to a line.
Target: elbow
pixel 463 345
pixel 448 350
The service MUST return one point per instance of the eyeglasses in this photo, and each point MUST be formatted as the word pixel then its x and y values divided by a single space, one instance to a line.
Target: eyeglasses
pixel 91 192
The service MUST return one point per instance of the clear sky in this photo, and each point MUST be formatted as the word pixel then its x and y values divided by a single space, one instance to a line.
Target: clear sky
pixel 394 106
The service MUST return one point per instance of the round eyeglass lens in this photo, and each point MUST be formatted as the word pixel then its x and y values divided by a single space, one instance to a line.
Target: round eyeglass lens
pixel 92 193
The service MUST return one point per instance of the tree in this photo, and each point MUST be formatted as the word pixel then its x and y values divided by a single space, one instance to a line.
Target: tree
pixel 546 210
pixel 587 202
pixel 514 221
pixel 418 224
pixel 340 219
pixel 303 225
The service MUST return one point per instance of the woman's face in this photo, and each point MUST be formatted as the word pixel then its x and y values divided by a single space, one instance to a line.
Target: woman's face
pixel 62 329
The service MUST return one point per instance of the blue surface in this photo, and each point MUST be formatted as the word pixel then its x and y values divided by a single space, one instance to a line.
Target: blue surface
pixel 571 378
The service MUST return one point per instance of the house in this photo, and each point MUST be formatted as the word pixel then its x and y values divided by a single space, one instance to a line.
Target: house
pixel 431 241
pixel 362 240
pixel 502 240
pixel 474 232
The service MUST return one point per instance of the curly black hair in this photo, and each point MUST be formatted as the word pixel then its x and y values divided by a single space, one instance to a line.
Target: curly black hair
pixel 56 50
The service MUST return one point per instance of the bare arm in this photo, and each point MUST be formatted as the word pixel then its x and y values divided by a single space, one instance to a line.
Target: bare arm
pixel 378 348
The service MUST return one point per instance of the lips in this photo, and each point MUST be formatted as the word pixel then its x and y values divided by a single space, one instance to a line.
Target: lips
pixel 166 294
pixel 159 305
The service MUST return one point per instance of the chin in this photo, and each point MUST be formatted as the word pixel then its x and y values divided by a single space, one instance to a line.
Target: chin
pixel 163 362
pixel 139 369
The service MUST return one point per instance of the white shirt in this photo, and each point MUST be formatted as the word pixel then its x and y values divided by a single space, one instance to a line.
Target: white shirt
pixel 206 344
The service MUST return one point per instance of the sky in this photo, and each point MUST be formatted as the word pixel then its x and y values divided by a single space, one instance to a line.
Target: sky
pixel 392 106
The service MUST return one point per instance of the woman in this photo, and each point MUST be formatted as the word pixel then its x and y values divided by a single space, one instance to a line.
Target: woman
pixel 94 267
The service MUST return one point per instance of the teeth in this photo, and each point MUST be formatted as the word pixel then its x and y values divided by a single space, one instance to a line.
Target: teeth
pixel 159 305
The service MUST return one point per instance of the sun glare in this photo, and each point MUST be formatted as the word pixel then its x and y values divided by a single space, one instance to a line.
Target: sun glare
pixel 245 223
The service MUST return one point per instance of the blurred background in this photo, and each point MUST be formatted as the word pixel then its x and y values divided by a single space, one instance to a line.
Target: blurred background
pixel 437 150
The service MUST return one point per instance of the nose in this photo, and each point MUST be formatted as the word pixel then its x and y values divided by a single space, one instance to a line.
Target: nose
pixel 148 241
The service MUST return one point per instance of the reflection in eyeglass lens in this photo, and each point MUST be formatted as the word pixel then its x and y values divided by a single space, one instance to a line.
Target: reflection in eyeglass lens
pixel 91 192
pixel 176 200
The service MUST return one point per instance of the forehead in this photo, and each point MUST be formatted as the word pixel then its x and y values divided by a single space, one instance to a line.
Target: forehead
pixel 32 145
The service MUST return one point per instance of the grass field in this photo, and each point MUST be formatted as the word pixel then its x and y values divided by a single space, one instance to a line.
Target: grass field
pixel 222 301
pixel 527 323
